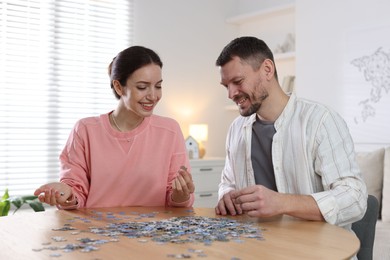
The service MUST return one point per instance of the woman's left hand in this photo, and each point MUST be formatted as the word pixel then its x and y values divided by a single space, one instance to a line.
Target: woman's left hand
pixel 182 186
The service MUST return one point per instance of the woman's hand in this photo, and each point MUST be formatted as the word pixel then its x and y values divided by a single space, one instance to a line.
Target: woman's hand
pixel 182 186
pixel 54 193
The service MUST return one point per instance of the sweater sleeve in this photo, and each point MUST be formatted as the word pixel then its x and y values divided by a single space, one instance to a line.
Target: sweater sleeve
pixel 75 166
pixel 179 158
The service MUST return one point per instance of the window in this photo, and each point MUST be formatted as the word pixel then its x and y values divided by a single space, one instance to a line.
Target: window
pixel 54 56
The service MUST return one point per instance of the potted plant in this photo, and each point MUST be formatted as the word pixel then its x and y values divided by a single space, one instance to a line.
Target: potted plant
pixel 18 202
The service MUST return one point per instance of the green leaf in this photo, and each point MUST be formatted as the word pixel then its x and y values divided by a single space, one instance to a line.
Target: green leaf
pixel 5 196
pixel 4 207
pixel 17 202
pixel 28 197
pixel 36 206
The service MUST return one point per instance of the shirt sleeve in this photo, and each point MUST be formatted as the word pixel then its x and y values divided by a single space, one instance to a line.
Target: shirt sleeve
pixel 227 183
pixel 344 199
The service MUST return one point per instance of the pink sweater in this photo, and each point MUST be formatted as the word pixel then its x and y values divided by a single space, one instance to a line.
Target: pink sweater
pixel 107 168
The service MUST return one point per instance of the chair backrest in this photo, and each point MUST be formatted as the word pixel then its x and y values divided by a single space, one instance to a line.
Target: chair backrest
pixel 365 229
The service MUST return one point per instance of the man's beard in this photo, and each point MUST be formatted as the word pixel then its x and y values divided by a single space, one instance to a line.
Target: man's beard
pixel 251 110
pixel 254 107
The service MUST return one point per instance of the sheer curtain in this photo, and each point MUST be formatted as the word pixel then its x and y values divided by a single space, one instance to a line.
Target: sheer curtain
pixel 54 56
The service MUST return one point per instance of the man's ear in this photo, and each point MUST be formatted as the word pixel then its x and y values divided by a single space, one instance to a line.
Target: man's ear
pixel 118 87
pixel 268 68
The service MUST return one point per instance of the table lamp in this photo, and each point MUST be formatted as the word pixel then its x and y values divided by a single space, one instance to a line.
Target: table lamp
pixel 200 133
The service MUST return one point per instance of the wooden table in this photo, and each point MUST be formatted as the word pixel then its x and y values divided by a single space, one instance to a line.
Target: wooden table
pixel 284 237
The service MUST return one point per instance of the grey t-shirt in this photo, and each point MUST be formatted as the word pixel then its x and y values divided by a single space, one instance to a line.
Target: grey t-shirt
pixel 262 135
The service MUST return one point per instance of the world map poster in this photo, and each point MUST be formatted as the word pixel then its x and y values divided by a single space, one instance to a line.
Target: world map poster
pixel 367 84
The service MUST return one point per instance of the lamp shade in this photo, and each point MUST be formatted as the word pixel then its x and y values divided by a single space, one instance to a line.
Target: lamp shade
pixel 199 132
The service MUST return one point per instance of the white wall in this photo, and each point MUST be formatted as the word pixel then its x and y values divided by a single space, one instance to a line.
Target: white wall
pixel 273 24
pixel 189 35
pixel 248 6
pixel 329 34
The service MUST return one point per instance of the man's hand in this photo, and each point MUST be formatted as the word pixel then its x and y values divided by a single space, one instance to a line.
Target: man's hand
pixel 227 206
pixel 258 201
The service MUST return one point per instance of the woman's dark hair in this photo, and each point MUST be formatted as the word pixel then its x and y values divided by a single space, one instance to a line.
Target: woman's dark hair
pixel 249 49
pixel 128 61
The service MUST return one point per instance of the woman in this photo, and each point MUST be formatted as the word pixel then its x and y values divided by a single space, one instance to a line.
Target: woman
pixel 127 157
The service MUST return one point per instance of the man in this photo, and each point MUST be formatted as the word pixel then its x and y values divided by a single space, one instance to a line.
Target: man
pixel 285 155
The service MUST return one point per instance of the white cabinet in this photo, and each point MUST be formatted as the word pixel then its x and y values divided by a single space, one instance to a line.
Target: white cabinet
pixel 206 174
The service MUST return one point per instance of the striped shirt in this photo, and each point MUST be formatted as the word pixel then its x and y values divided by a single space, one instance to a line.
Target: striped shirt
pixel 312 153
